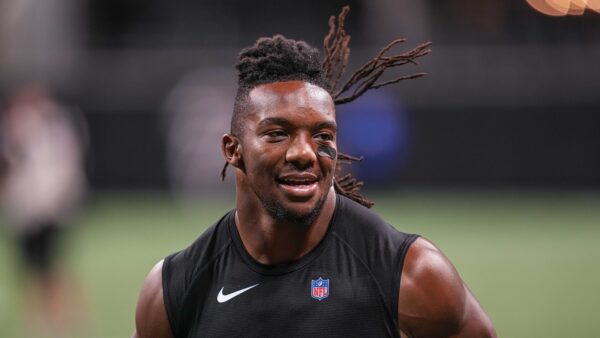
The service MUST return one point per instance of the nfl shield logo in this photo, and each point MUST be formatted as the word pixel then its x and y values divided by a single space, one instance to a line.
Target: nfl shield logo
pixel 319 288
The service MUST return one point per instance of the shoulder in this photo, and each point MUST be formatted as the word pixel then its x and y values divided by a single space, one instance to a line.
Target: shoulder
pixel 170 281
pixel 186 264
pixel 150 316
pixel 377 242
pixel 355 219
pixel 434 301
pixel 380 245
pixel 430 286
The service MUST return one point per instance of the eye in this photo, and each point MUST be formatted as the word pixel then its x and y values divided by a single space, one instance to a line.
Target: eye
pixel 275 135
pixel 324 136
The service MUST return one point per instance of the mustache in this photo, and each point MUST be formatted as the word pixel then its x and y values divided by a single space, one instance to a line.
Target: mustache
pixel 294 172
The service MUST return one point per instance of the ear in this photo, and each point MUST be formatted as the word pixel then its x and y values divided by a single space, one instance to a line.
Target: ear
pixel 232 150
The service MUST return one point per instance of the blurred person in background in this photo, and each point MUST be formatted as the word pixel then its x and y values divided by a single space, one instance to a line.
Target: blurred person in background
pixel 302 255
pixel 42 185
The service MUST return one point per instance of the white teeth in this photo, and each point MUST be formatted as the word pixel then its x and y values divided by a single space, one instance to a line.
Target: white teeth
pixel 292 182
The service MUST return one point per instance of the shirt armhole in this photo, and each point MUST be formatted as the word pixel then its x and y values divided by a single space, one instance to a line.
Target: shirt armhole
pixel 410 239
pixel 170 307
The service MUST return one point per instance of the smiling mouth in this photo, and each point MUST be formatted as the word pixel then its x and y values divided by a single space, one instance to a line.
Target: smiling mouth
pixel 298 187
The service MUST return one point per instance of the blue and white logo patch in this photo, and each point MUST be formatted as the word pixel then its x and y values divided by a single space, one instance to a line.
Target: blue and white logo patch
pixel 319 288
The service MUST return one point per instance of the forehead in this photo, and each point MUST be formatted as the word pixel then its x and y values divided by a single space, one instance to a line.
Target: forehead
pixel 290 99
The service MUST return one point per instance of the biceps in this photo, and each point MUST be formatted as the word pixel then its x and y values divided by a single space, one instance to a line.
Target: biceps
pixel 151 319
pixel 476 322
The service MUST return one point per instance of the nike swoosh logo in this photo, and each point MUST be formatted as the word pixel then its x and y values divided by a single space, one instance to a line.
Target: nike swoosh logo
pixel 221 298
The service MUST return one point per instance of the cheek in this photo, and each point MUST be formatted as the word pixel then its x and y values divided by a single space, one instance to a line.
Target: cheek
pixel 327 166
pixel 260 160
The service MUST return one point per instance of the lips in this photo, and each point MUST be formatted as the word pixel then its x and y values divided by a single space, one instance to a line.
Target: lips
pixel 300 186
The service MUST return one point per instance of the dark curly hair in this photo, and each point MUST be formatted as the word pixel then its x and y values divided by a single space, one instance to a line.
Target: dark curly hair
pixel 278 58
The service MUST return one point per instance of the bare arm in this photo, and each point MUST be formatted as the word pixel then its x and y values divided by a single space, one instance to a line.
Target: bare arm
pixel 434 301
pixel 150 316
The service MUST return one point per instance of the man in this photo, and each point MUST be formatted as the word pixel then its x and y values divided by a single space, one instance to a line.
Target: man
pixel 300 256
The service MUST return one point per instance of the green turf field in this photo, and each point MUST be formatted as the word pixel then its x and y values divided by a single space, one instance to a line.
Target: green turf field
pixel 531 258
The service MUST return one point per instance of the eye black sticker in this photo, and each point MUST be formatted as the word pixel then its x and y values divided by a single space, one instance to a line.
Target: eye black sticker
pixel 327 151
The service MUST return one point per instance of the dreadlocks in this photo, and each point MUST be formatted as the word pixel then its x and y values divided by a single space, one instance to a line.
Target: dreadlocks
pixel 280 59
pixel 337 52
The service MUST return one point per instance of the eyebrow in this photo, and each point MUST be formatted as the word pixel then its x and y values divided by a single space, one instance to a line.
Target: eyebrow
pixel 327 125
pixel 274 120
pixel 286 123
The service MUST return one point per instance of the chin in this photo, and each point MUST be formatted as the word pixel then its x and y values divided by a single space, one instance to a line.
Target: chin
pixel 304 214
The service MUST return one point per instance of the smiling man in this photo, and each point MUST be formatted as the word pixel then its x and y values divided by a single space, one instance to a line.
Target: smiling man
pixel 300 255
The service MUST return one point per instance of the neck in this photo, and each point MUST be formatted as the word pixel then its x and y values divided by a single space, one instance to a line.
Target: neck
pixel 272 241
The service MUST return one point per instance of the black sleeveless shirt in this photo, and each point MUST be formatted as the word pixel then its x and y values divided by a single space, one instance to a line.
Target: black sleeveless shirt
pixel 347 286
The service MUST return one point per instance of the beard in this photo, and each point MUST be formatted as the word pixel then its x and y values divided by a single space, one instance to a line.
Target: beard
pixel 281 213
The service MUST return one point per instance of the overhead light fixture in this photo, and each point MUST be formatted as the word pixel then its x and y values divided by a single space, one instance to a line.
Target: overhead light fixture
pixel 545 7
pixel 594 5
pixel 564 7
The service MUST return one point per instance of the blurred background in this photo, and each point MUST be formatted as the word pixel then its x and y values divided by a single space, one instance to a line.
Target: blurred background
pixel 494 155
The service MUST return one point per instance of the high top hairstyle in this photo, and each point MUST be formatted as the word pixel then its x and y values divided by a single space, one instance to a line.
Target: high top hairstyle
pixel 280 59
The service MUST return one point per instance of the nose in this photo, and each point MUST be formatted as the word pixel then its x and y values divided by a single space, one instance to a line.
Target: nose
pixel 301 152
